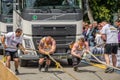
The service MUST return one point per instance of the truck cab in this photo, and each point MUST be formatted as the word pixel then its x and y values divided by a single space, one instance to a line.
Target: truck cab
pixel 40 18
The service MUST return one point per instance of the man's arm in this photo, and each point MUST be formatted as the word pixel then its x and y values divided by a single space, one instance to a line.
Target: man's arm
pixel 87 46
pixel 73 50
pixel 53 47
pixel 103 33
pixel 40 48
pixel 103 36
pixel 3 41
pixel 20 46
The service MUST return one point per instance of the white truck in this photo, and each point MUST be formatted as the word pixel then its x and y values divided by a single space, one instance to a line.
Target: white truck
pixel 6 18
pixel 39 18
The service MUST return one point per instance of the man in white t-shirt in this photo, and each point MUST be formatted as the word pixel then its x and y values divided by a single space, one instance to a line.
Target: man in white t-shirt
pixel 110 35
pixel 11 41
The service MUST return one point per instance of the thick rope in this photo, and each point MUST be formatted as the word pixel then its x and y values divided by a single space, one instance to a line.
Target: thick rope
pixel 57 63
pixel 102 61
pixel 103 44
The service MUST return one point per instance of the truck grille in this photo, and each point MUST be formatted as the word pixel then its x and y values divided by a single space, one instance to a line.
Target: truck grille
pixel 63 34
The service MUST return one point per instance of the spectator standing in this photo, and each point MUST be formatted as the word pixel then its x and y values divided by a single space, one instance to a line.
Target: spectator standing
pixel 90 36
pixel 110 36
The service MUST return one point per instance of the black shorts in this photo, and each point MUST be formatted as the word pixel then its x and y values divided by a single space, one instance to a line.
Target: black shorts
pixel 44 56
pixel 75 60
pixel 111 48
pixel 12 54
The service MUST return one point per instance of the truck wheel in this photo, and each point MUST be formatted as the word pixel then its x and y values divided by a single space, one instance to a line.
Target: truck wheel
pixel 70 62
pixel 23 63
pixel 1 52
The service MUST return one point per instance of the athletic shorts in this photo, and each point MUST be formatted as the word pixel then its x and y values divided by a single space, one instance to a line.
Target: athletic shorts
pixel 111 48
pixel 44 56
pixel 12 54
pixel 75 60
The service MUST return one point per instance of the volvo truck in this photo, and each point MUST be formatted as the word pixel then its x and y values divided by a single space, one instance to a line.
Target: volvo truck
pixel 57 18
pixel 6 18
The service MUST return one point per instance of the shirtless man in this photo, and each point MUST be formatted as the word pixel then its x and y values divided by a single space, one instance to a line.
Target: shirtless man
pixel 77 52
pixel 47 45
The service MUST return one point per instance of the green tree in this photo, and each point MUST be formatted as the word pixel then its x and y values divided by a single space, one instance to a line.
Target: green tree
pixel 103 9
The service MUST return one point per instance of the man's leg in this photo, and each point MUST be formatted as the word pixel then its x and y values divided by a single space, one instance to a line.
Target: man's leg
pixel 16 63
pixel 113 49
pixel 108 50
pixel 76 61
pixel 8 59
pixel 107 59
pixel 48 62
pixel 114 60
pixel 41 60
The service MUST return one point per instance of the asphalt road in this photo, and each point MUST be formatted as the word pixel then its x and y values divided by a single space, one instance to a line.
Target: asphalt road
pixel 86 72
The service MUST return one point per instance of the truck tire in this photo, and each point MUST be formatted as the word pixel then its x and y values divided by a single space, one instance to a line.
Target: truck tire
pixel 70 62
pixel 1 52
pixel 23 63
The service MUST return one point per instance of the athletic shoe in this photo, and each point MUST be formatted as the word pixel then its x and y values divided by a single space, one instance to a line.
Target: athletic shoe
pixel 17 72
pixel 109 70
pixel 40 67
pixel 75 68
pixel 46 68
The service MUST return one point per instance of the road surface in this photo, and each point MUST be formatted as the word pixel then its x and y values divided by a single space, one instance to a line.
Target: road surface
pixel 86 72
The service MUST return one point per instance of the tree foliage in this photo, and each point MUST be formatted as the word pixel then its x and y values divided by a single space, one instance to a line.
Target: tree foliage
pixel 104 9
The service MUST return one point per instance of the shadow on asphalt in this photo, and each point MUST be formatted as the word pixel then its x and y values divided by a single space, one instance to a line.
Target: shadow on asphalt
pixel 63 63
pixel 26 73
pixel 84 70
pixel 58 72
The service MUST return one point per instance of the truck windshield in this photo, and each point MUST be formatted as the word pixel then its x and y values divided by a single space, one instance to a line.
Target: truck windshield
pixel 7 7
pixel 40 3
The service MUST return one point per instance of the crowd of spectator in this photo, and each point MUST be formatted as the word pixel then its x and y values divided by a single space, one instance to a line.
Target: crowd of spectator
pixel 92 34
